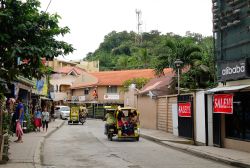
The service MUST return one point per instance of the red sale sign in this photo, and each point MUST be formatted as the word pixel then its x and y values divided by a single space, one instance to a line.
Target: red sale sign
pixel 184 109
pixel 223 103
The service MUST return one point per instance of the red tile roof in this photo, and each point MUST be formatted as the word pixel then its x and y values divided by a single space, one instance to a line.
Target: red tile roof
pixel 116 78
pixel 159 84
pixel 68 69
pixel 82 85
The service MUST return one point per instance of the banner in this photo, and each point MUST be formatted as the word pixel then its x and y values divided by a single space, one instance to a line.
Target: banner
pixel 223 103
pixel 184 109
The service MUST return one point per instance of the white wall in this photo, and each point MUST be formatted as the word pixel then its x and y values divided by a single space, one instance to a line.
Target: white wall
pixel 210 119
pixel 200 117
pixel 130 98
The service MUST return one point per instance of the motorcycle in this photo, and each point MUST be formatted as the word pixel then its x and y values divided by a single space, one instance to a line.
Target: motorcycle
pixel 82 117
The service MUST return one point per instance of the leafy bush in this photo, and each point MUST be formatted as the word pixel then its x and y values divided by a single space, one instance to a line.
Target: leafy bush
pixel 139 82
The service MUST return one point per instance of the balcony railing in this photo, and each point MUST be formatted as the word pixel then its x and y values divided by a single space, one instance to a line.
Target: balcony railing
pixel 57 96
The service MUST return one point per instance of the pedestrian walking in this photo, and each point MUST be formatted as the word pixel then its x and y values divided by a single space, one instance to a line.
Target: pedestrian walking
pixel 45 119
pixel 52 112
pixel 38 119
pixel 19 116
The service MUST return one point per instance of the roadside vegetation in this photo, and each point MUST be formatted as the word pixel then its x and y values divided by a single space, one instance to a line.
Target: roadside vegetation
pixel 121 50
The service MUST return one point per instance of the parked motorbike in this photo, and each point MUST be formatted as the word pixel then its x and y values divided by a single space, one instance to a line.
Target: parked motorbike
pixel 82 118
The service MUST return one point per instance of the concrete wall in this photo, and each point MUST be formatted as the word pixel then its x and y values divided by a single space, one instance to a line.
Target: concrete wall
pixel 130 98
pixel 89 66
pixel 101 91
pixel 238 145
pixel 56 64
pixel 86 77
pixel 210 119
pixel 147 108
pixel 200 128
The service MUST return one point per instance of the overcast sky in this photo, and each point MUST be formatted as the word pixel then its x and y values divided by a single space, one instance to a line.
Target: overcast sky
pixel 90 20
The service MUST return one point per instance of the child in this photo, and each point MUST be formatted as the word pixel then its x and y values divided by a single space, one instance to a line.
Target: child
pixel 38 119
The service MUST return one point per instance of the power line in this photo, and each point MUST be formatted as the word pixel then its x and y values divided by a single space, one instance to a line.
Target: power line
pixel 48 5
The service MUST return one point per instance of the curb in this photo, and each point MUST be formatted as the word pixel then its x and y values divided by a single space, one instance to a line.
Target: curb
pixel 196 153
pixel 37 159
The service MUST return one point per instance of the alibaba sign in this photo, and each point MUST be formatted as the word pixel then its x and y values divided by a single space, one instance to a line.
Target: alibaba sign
pixel 223 103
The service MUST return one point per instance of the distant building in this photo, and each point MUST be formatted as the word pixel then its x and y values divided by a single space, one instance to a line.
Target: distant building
pixel 89 66
pixel 61 81
pixel 105 88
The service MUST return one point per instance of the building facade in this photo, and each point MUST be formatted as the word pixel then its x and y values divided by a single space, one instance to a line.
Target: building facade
pixel 98 89
pixel 228 104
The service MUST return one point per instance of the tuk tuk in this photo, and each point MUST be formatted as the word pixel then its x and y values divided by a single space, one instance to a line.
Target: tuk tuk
pixel 127 124
pixel 77 114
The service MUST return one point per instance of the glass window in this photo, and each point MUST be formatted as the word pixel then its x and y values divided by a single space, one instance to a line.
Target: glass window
pixel 112 89
pixel 86 91
pixel 238 124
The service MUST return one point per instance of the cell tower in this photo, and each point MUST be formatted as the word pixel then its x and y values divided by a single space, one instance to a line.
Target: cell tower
pixel 138 38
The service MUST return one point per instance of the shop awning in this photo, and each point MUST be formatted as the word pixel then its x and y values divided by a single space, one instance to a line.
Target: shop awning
pixel 45 98
pixel 227 88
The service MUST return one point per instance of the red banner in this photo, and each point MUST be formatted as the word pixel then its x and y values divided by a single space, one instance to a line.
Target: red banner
pixel 184 109
pixel 223 103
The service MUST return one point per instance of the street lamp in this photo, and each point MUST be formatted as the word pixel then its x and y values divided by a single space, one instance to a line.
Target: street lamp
pixel 178 63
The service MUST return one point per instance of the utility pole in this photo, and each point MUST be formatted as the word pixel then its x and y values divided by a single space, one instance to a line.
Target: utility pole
pixel 138 38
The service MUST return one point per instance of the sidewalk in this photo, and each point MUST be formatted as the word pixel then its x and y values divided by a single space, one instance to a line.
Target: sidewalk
pixel 27 154
pixel 228 156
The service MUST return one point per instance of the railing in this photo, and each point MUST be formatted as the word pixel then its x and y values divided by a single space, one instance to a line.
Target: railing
pixel 57 96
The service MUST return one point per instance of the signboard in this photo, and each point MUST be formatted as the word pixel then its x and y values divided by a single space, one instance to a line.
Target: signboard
pixel 184 109
pixel 82 98
pixel 111 97
pixel 232 70
pixel 74 98
pixel 223 103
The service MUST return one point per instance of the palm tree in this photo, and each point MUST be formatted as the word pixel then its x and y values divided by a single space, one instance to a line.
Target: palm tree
pixel 186 52
pixel 144 57
pixel 189 54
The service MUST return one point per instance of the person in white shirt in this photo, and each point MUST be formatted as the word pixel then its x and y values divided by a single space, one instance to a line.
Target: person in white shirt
pixel 45 119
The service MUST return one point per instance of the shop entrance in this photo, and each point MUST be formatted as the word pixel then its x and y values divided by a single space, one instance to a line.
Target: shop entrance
pixel 238 123
pixel 185 124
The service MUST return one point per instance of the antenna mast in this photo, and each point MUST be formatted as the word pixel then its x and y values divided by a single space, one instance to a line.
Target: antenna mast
pixel 138 38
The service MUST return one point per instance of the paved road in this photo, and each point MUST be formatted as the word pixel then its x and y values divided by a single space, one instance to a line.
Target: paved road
pixel 85 146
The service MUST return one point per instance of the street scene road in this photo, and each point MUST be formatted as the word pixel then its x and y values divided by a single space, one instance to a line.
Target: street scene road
pixel 86 146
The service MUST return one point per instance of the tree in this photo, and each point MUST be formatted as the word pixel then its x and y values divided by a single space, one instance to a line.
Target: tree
pixel 28 35
pixel 119 51
pixel 139 82
pixel 196 53
pixel 144 58
pixel 175 49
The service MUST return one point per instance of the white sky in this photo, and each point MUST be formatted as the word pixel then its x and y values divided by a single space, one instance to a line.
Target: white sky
pixel 90 20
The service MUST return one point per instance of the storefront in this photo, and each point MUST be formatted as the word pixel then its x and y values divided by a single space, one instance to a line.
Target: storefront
pixel 230 112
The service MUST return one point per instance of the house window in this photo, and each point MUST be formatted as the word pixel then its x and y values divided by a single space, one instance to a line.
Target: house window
pixel 112 89
pixel 86 91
